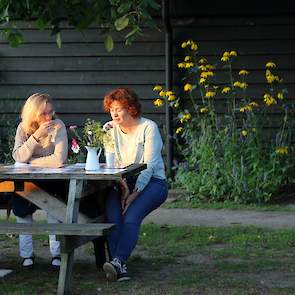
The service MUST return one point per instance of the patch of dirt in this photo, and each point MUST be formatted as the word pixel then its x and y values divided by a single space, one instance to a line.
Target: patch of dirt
pixel 194 259
pixel 269 279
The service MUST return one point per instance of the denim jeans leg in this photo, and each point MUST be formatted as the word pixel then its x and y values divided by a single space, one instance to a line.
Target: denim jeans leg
pixel 154 194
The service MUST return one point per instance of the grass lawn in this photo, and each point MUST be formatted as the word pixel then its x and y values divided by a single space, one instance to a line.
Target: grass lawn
pixel 283 201
pixel 182 203
pixel 173 260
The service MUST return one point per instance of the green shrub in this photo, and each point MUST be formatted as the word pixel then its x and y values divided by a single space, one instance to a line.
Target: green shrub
pixel 229 154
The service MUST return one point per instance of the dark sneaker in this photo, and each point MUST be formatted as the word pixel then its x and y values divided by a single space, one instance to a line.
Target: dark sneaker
pixel 116 271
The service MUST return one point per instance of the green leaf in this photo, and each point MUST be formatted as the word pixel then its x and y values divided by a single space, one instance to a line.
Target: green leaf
pixel 14 38
pixel 109 43
pixel 121 23
pixel 58 40
pixel 4 14
pixel 41 23
pixel 133 32
pixel 124 8
pixel 154 4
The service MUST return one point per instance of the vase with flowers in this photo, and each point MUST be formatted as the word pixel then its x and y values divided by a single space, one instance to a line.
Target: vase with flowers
pixel 92 139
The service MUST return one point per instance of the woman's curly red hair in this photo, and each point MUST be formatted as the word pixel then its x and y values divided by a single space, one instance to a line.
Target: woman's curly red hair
pixel 127 98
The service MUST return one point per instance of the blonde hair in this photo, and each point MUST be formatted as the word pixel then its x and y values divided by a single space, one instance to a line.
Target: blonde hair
pixel 31 111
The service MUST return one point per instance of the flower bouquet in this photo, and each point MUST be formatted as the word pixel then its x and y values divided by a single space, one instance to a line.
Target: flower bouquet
pixel 93 137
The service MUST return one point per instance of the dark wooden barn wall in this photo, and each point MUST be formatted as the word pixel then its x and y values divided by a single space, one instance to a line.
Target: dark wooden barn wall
pixel 79 74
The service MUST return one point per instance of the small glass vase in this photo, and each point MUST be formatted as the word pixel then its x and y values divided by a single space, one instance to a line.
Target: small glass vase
pixel 110 159
pixel 92 159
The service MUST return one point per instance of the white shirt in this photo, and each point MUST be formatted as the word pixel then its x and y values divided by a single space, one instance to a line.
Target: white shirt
pixel 143 145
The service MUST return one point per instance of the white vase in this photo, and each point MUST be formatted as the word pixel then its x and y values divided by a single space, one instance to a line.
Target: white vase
pixel 92 160
pixel 110 159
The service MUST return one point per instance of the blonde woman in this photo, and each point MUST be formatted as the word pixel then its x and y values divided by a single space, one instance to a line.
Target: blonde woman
pixel 40 140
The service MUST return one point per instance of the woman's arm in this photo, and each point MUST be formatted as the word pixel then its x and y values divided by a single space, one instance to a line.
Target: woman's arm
pixel 60 154
pixel 23 146
pixel 152 155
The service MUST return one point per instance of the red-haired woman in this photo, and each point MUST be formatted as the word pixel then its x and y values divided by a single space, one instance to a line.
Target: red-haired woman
pixel 136 140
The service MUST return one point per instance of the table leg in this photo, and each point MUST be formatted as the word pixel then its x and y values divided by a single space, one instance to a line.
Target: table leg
pixel 67 258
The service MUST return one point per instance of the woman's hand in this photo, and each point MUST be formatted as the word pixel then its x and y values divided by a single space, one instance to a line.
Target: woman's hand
pixel 44 129
pixel 107 126
pixel 125 192
pixel 129 200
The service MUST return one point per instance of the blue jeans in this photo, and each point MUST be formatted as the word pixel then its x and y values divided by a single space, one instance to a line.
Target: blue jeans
pixel 123 238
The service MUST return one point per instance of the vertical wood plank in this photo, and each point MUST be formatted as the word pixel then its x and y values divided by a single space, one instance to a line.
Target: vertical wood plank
pixel 67 258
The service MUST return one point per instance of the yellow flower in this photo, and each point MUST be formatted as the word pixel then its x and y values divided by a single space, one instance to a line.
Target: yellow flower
pixel 243 72
pixel 270 65
pixel 280 95
pixel 248 108
pixel 233 53
pixel 188 87
pixel 206 74
pixel 185 117
pixel 202 80
pixel 270 77
pixel 254 129
pixel 183 45
pixel 189 65
pixel 204 110
pixel 226 54
pixel 269 100
pixel 181 65
pixel 202 68
pixel 194 47
pixel 225 90
pixel 253 104
pixel 179 130
pixel 282 150
pixel 162 93
pixel 169 93
pixel 187 58
pixel 243 85
pixel 171 97
pixel 189 42
pixel 244 132
pixel 237 84
pixel 158 102
pixel 224 58
pixel 157 88
pixel 210 94
pixel 202 61
pixel 210 67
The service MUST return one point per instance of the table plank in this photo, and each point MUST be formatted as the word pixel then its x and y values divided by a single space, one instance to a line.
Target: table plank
pixel 47 202
pixel 74 229
pixel 12 172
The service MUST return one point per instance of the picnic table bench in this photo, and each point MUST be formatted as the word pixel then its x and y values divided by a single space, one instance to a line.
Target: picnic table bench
pixel 76 228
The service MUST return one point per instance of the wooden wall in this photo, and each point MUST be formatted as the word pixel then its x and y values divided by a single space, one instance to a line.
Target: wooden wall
pixel 79 74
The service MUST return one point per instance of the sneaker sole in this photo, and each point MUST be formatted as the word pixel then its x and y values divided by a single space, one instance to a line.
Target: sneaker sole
pixel 124 279
pixel 111 273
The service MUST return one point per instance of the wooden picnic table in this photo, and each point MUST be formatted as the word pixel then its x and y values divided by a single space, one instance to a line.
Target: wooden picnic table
pixel 20 179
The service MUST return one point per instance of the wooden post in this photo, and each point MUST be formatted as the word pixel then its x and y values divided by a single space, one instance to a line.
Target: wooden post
pixel 67 258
